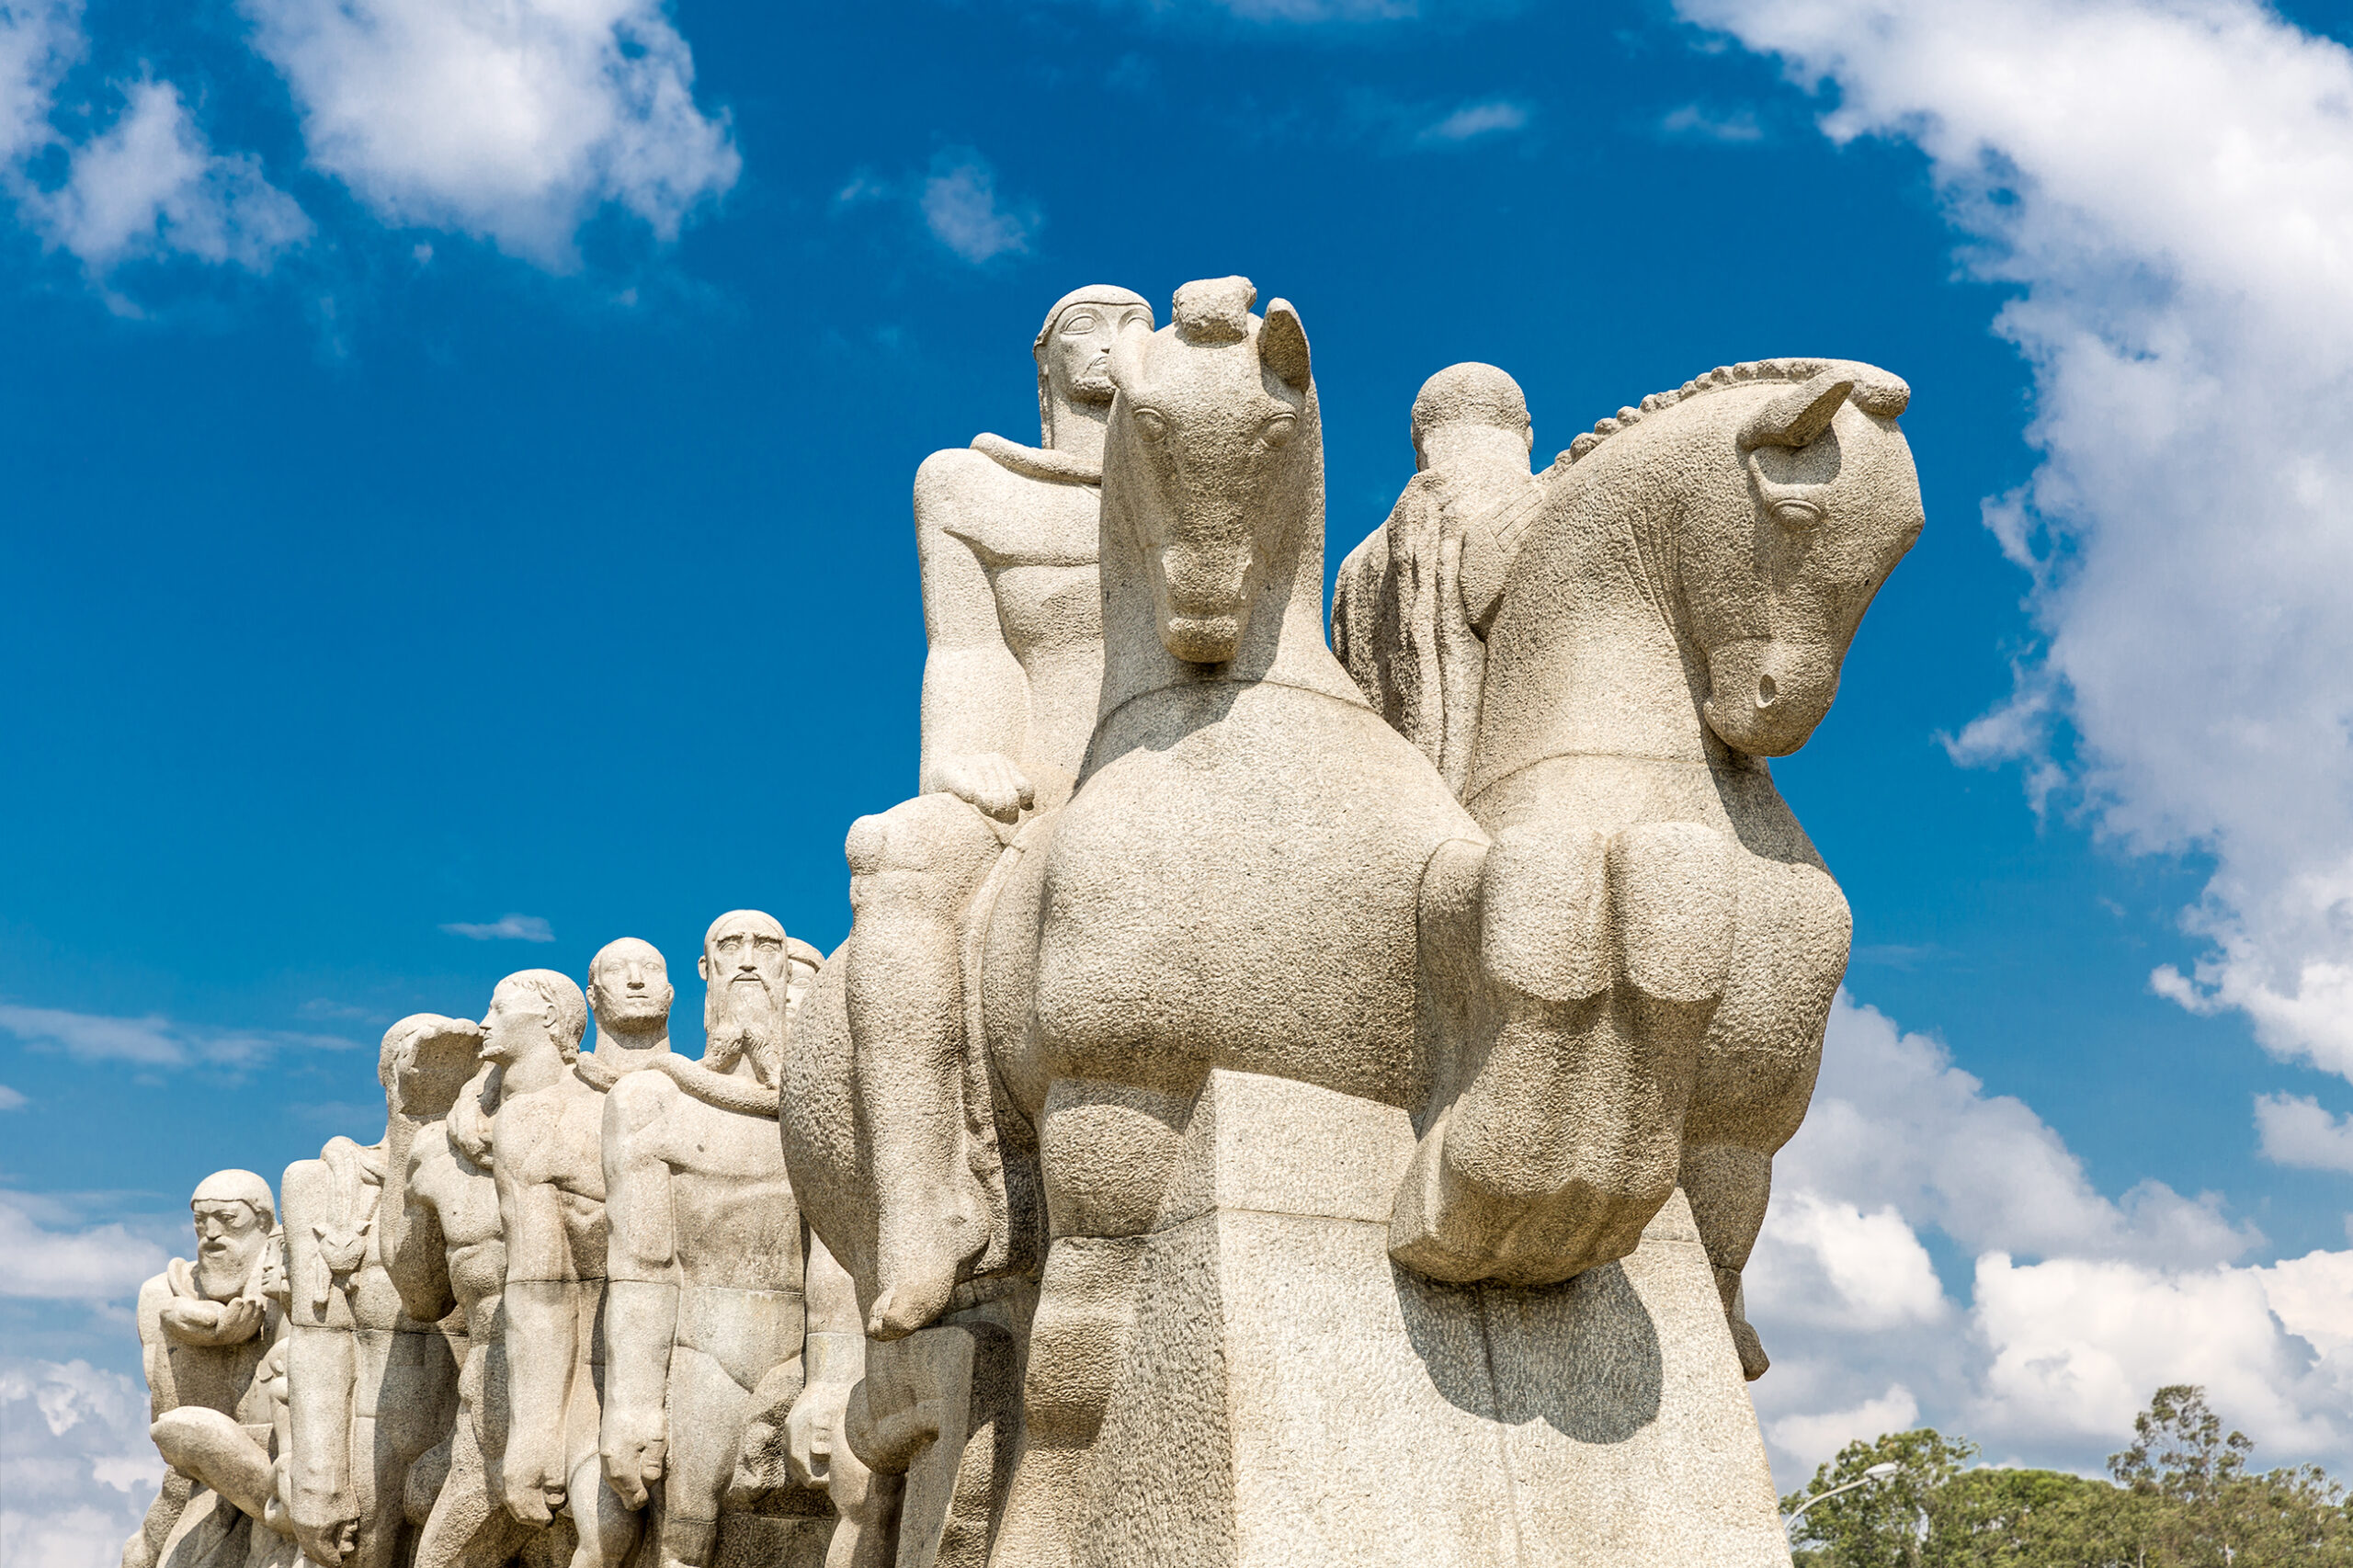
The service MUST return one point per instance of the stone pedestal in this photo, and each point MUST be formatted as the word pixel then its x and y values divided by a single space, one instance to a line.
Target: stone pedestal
pixel 1292 1398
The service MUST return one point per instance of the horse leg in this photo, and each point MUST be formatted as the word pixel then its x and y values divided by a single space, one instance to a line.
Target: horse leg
pixel 1600 964
pixel 913 871
pixel 1728 1185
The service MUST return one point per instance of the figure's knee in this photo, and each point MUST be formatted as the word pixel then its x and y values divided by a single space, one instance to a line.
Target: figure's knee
pixel 936 837
pixel 192 1436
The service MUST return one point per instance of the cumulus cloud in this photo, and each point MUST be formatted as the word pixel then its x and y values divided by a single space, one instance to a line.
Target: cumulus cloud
pixel 512 123
pixel 96 1263
pixel 505 928
pixel 2170 186
pixel 959 206
pixel 2072 1308
pixel 81 1470
pixel 2294 1131
pixel 1472 121
pixel 155 1040
pixel 148 186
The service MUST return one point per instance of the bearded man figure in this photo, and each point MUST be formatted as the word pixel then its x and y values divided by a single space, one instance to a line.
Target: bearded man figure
pixel 205 1329
pixel 705 1315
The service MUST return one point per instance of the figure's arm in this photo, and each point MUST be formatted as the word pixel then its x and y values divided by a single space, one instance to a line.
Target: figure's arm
pixel 975 698
pixel 416 1252
pixel 321 1500
pixel 641 1287
pixel 541 1327
pixel 834 1356
pixel 155 1352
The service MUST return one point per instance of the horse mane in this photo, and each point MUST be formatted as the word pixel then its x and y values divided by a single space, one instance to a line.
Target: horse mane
pixel 1876 392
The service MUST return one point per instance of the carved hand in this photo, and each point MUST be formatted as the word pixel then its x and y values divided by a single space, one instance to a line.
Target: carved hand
pixel 534 1474
pixel 212 1324
pixel 813 1433
pixel 988 780
pixel 327 1542
pixel 633 1445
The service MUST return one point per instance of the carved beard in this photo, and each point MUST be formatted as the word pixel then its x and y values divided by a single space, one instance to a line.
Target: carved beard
pixel 743 1018
pixel 229 1277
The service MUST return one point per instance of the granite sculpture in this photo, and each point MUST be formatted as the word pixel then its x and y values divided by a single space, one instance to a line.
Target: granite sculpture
pixel 1279 1102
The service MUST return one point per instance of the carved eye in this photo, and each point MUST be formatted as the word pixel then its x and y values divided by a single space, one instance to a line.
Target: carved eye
pixel 1278 431
pixel 1796 514
pixel 1150 425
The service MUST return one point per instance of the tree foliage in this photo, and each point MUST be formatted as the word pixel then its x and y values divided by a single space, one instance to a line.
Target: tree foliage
pixel 2183 1495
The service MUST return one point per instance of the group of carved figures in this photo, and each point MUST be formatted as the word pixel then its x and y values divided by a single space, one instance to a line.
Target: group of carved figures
pixel 1270 1085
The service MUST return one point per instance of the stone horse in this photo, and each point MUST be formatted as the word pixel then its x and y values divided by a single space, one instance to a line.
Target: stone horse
pixel 1245 1012
pixel 1676 598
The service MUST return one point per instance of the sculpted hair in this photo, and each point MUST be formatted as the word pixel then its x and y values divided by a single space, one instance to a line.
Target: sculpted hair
pixel 564 1000
pixel 237 1187
pixel 1880 393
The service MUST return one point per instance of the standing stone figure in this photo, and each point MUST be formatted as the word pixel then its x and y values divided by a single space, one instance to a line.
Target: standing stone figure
pixel 704 1298
pixel 1008 538
pixel 205 1328
pixel 443 1252
pixel 550 1167
pixel 371 1389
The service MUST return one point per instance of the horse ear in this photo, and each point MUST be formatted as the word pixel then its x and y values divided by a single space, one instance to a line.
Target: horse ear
pixel 1282 345
pixel 1127 353
pixel 1798 414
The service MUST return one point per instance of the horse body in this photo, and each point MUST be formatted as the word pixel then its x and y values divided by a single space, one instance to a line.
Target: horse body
pixel 1678 611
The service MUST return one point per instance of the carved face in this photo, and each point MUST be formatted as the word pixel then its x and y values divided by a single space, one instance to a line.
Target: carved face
pixel 748 951
pixel 230 1235
pixel 516 1023
pixel 1213 426
pixel 1078 355
pixel 1776 589
pixel 629 987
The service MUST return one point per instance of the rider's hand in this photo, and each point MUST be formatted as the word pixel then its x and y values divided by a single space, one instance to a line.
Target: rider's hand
pixel 989 781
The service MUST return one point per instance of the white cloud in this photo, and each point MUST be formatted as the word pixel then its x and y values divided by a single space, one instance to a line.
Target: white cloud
pixel 1474 120
pixel 155 1040
pixel 2077 1307
pixel 151 186
pixel 11 1099
pixel 81 1470
pixel 2295 1131
pixel 513 121
pixel 505 928
pixel 1707 125
pixel 95 1263
pixel 959 206
pixel 2170 184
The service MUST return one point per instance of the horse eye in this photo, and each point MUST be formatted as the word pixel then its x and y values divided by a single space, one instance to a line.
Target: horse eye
pixel 1796 513
pixel 1277 432
pixel 1151 424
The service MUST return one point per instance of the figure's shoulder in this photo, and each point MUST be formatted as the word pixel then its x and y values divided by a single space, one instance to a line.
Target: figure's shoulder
pixel 948 478
pixel 638 1099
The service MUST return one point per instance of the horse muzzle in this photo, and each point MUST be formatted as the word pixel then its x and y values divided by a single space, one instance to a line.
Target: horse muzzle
pixel 1765 695
pixel 1204 599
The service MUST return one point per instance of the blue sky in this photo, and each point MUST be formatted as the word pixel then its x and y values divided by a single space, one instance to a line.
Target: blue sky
pixel 452 481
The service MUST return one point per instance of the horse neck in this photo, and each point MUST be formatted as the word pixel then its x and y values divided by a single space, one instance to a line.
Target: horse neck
pixel 1598 660
pixel 1284 641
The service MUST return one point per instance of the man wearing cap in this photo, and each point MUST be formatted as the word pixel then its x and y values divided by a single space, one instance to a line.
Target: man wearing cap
pixel 205 1328
pixel 1007 535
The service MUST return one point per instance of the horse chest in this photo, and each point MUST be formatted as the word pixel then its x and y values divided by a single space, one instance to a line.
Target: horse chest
pixel 1242 892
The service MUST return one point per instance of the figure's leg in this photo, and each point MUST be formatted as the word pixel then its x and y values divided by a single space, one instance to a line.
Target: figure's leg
pixel 1728 1186
pixel 913 871
pixel 708 1411
pixel 219 1452
pixel 470 1526
pixel 142 1548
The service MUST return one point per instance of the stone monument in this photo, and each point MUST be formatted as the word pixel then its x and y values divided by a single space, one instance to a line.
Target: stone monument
pixel 1279 1102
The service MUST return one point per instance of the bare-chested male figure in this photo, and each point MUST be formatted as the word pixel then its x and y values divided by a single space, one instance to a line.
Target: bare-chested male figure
pixel 1007 535
pixel 550 1167
pixel 371 1389
pixel 443 1248
pixel 705 1295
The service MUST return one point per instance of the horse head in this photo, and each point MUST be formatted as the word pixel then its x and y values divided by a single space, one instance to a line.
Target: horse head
pixel 1213 489
pixel 1825 502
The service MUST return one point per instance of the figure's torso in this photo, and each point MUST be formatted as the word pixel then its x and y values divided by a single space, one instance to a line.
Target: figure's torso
pixel 735 1220
pixel 465 1200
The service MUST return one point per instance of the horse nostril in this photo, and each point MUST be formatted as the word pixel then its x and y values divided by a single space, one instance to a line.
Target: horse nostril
pixel 1766 691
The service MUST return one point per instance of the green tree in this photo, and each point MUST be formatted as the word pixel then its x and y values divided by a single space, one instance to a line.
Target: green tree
pixel 2200 1507
pixel 1880 1524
